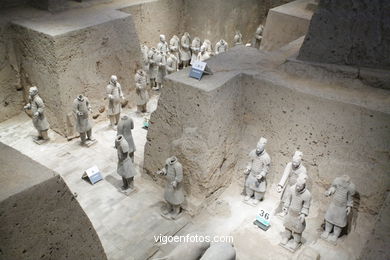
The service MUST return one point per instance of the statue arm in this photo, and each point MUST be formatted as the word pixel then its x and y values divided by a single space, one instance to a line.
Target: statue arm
pixel 285 176
pixel 179 173
pixel 306 206
pixel 40 105
pixel 287 202
pixel 131 124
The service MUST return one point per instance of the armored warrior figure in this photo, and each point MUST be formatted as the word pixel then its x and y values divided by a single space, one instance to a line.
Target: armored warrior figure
pixel 81 110
pixel 174 45
pixel 296 206
pixel 340 207
pixel 209 47
pixel 161 62
pixel 203 54
pixel 221 46
pixel 292 172
pixel 125 166
pixel 257 170
pixel 145 60
pixel 153 67
pixel 140 89
pixel 185 52
pixel 162 46
pixel 237 38
pixel 258 36
pixel 37 108
pixel 114 95
pixel 172 63
pixel 125 126
pixel 173 195
pixel 195 48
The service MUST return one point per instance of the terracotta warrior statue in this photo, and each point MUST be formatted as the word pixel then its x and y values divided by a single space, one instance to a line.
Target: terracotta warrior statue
pixel 153 67
pixel 342 190
pixel 203 54
pixel 125 126
pixel 237 38
pixel 195 48
pixel 172 63
pixel 292 172
pixel 258 36
pixel 174 194
pixel 221 46
pixel 141 91
pixel 161 61
pixel 209 47
pixel 125 166
pixel 256 171
pixel 296 206
pixel 145 60
pixel 174 45
pixel 185 52
pixel 37 108
pixel 114 96
pixel 81 110
pixel 162 46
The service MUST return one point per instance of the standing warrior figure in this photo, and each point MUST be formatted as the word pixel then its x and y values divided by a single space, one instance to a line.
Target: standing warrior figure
pixel 114 95
pixel 203 54
pixel 125 166
pixel 145 60
pixel 37 108
pixel 81 110
pixel 257 170
pixel 172 63
pixel 258 37
pixel 125 126
pixel 174 47
pixel 140 89
pixel 237 38
pixel 195 48
pixel 174 194
pixel 296 206
pixel 162 46
pixel 221 46
pixel 292 172
pixel 153 67
pixel 340 207
pixel 161 62
pixel 209 47
pixel 185 52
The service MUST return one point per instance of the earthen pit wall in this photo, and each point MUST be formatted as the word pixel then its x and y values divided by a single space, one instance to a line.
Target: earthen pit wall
pixel 185 125
pixel 336 138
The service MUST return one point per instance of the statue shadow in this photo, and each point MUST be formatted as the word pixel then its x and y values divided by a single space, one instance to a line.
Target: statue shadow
pixel 117 183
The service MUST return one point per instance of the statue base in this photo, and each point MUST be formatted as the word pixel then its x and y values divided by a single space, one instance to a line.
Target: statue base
pixel 40 141
pixel 89 143
pixel 128 191
pixel 289 247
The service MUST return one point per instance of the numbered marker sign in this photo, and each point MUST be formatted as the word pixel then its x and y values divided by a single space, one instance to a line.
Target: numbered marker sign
pixel 198 69
pixel 93 174
pixel 264 217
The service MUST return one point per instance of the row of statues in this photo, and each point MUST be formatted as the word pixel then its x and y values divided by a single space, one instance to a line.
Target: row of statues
pixel 296 197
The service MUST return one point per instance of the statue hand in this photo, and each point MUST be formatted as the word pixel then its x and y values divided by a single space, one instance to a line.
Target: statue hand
pixel 174 184
pixel 327 193
pixel 246 171
pixel 36 114
pixel 348 210
pixel 279 189
pixel 302 218
pixel 79 113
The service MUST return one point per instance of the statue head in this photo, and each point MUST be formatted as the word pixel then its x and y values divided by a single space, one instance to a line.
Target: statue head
pixel 261 145
pixel 162 37
pixel 114 79
pixel 141 72
pixel 300 184
pixel 297 159
pixel 172 160
pixel 80 97
pixel 33 91
pixel 203 48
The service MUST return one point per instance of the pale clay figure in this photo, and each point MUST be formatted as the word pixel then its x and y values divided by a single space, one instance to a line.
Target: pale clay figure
pixel 114 95
pixel 174 46
pixel 256 171
pixel 342 190
pixel 82 109
pixel 161 62
pixel 153 67
pixel 145 60
pixel 162 46
pixel 125 166
pixel 125 126
pixel 209 47
pixel 172 63
pixel 174 195
pixel 296 206
pixel 37 108
pixel 203 54
pixel 185 52
pixel 221 46
pixel 237 38
pixel 258 37
pixel 141 91
pixel 195 48
pixel 220 251
pixel 292 172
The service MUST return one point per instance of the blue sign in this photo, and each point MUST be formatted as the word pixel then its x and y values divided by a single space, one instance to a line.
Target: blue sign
pixel 195 73
pixel 263 217
pixel 198 69
pixel 94 174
